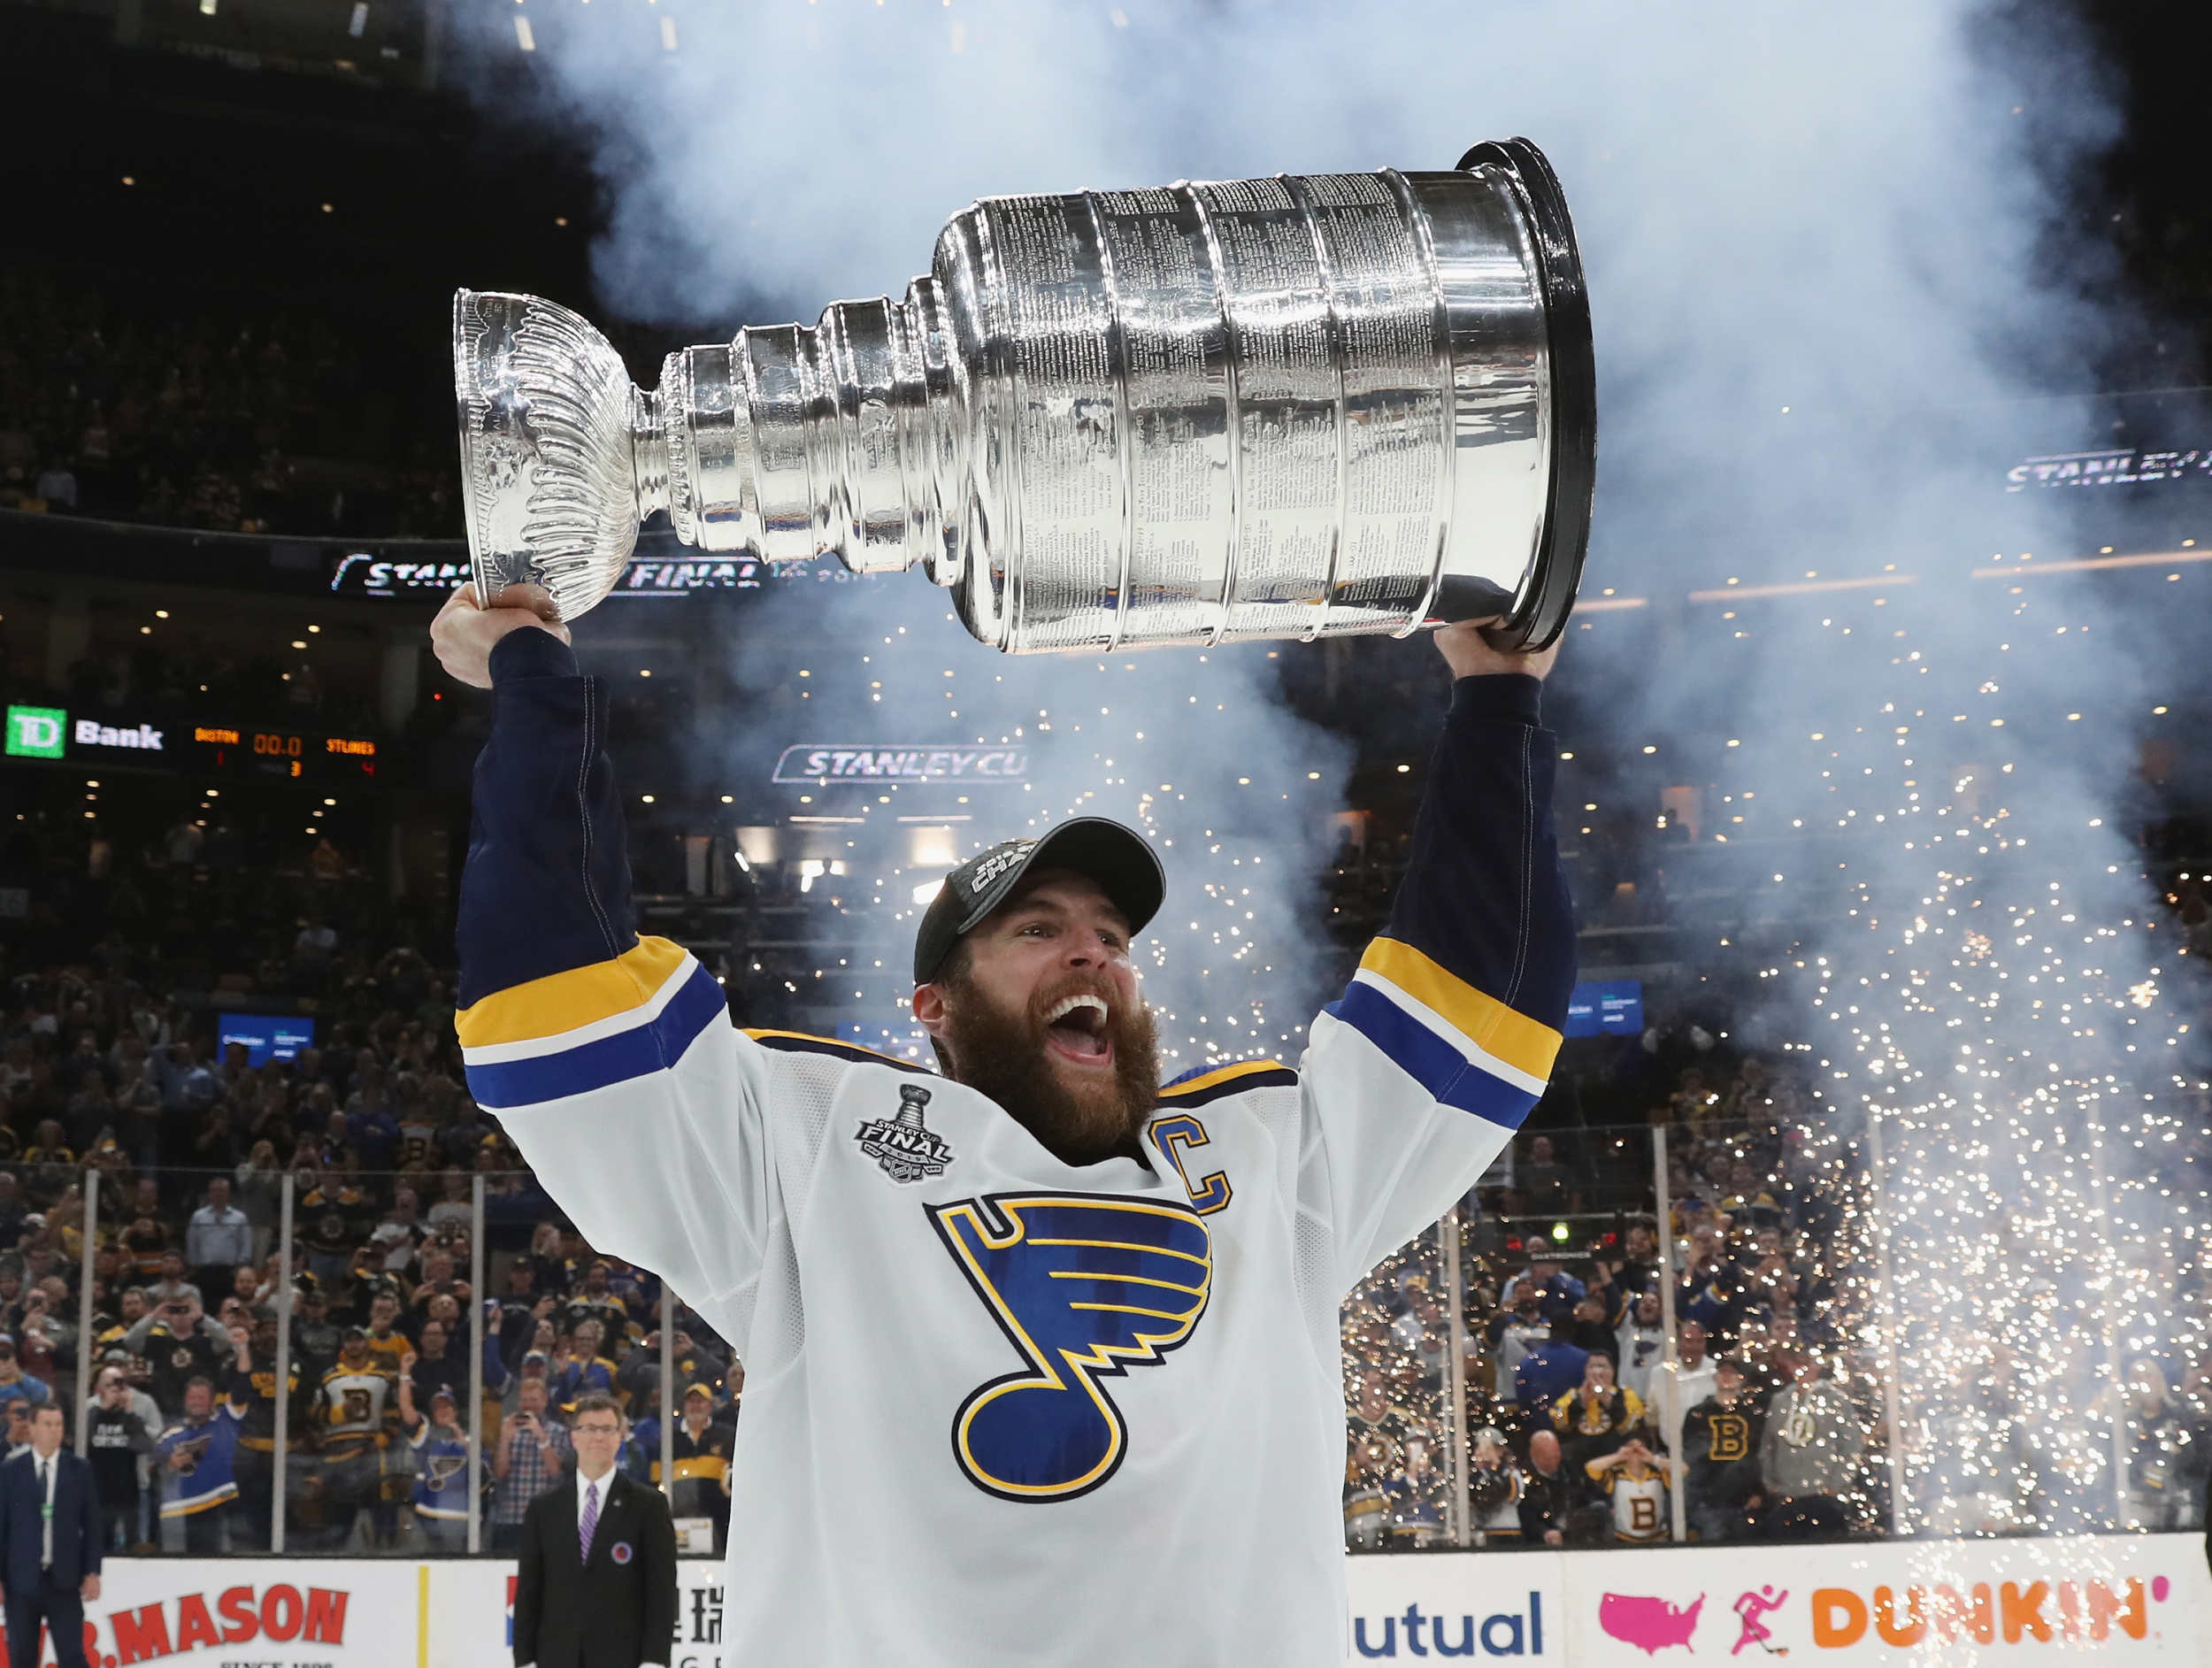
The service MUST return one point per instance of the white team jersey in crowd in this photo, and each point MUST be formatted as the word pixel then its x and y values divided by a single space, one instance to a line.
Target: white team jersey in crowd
pixel 1639 1505
pixel 1000 1410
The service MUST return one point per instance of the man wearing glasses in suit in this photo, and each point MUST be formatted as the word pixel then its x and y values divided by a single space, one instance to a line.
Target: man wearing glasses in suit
pixel 597 1583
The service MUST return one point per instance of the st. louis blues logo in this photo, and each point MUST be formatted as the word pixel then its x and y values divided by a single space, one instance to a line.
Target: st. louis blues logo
pixel 906 1148
pixel 1082 1286
pixel 186 1456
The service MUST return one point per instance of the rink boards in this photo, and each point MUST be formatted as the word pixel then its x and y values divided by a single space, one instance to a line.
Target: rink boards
pixel 2123 1599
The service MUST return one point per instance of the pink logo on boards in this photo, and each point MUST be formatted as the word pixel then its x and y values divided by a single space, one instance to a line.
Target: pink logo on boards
pixel 1749 1607
pixel 1651 1625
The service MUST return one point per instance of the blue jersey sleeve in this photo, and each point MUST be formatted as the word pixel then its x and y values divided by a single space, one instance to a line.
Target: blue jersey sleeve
pixel 609 1058
pixel 1419 1073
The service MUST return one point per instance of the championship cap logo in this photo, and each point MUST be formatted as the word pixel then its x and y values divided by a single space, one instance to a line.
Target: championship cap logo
pixel 907 1149
pixel 975 879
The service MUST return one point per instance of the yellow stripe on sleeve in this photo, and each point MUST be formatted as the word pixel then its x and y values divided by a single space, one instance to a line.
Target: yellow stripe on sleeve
pixel 1221 1074
pixel 771 1036
pixel 1495 1028
pixel 562 1002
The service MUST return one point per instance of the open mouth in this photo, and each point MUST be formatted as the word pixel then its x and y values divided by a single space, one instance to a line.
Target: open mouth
pixel 1075 1027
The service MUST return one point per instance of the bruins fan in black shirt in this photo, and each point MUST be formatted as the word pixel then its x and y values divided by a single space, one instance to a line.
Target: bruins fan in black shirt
pixel 701 1449
pixel 1720 1437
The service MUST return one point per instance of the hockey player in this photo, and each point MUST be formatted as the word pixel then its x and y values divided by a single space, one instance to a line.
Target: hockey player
pixel 1042 1358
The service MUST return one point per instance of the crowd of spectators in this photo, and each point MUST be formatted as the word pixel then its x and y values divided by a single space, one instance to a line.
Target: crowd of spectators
pixel 129 407
pixel 112 1078
pixel 1777 1390
pixel 121 1108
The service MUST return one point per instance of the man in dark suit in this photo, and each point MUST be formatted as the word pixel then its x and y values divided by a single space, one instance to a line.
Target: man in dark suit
pixel 50 1545
pixel 597 1585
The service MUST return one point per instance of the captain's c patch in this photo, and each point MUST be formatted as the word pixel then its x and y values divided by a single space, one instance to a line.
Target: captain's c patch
pixel 1083 1286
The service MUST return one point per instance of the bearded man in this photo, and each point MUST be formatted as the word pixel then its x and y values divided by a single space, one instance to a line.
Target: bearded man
pixel 1043 1360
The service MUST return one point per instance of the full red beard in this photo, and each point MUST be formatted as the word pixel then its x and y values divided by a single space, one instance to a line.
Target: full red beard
pixel 1003 1053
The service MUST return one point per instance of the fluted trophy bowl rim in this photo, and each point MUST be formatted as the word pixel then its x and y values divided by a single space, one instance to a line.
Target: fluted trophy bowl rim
pixel 548 449
pixel 1540 613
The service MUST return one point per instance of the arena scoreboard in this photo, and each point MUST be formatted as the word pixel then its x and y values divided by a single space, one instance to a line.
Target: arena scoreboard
pixel 112 739
pixel 304 754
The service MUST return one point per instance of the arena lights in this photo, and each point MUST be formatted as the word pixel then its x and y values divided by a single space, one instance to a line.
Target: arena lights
pixel 1736 593
pixel 2168 558
pixel 1987 1131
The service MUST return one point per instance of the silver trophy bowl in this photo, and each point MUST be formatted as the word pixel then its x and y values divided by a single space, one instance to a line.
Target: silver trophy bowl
pixel 1304 406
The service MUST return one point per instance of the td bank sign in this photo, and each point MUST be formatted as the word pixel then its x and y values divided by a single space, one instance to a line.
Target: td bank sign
pixel 38 733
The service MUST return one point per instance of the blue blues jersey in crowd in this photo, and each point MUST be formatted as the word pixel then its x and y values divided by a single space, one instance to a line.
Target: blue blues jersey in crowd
pixel 441 1471
pixel 208 1475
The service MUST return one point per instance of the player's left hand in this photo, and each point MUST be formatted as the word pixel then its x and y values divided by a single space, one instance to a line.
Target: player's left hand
pixel 89 1591
pixel 464 631
pixel 1469 655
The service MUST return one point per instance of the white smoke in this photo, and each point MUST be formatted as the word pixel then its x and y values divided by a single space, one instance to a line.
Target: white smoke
pixel 1817 240
pixel 1188 746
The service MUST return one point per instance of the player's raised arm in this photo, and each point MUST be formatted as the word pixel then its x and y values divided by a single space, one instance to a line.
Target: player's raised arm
pixel 609 1058
pixel 1421 1072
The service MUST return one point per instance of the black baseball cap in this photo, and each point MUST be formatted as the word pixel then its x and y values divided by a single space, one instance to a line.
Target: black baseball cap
pixel 1118 858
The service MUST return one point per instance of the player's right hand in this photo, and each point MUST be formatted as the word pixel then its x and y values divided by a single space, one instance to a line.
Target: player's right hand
pixel 465 632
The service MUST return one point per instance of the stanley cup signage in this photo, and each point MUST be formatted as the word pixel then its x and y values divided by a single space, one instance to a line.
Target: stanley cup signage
pixel 1305 406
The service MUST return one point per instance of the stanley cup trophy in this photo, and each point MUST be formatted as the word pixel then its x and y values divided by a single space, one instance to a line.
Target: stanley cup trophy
pixel 1305 406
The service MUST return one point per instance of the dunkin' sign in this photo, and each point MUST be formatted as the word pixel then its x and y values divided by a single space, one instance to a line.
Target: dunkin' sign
pixel 2123 1598
pixel 2109 1596
pixel 2040 1612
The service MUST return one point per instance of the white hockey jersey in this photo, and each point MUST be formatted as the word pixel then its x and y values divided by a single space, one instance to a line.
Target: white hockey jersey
pixel 1000 1410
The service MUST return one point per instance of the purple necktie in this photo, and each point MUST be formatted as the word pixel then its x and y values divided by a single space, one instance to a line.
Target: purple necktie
pixel 590 1525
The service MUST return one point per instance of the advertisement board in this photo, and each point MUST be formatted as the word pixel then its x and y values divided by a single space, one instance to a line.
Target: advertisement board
pixel 35 731
pixel 2117 1598
pixel 1605 1007
pixel 166 739
pixel 267 1036
pixel 2121 1599
pixel 814 763
pixel 344 1612
pixel 473 1609
pixel 2117 466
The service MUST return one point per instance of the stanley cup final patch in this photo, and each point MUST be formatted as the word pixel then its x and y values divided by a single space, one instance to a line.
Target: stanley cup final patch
pixel 907 1149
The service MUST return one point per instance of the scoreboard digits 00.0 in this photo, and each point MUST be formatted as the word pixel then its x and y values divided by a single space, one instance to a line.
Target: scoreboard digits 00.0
pixel 292 753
